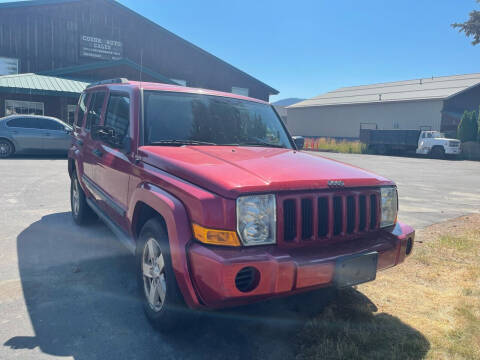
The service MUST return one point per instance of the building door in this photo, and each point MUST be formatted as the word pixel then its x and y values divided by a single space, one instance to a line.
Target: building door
pixel 71 113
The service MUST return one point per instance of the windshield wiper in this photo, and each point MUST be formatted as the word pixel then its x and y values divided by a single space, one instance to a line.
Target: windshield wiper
pixel 260 143
pixel 180 142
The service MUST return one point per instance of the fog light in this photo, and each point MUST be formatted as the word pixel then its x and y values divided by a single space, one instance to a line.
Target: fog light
pixel 247 279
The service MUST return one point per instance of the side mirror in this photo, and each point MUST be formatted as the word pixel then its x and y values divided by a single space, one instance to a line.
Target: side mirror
pixel 299 141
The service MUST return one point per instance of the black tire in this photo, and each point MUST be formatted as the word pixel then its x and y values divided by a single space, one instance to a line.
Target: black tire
pixel 81 212
pixel 170 312
pixel 438 152
pixel 7 149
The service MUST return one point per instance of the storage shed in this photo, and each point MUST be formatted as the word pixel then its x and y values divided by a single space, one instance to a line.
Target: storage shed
pixel 435 103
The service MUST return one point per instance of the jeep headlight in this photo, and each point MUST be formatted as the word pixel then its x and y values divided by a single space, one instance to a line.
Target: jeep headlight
pixel 389 206
pixel 256 219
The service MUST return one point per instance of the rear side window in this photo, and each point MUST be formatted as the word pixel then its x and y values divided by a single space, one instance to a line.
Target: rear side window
pixel 82 108
pixel 21 123
pixel 118 115
pixel 95 109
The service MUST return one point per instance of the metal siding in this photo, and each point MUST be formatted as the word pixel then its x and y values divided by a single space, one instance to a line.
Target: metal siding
pixel 344 121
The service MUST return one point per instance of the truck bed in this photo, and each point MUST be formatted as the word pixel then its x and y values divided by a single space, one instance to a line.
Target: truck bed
pixel 396 137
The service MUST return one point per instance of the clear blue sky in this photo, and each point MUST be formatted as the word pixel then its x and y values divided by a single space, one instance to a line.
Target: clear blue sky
pixel 304 48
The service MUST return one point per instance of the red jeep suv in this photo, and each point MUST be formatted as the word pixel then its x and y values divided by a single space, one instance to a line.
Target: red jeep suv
pixel 217 201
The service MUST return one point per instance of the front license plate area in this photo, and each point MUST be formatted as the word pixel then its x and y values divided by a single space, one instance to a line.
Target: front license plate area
pixel 356 269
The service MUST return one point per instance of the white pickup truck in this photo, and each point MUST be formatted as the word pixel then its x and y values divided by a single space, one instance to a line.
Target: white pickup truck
pixel 423 142
pixel 435 143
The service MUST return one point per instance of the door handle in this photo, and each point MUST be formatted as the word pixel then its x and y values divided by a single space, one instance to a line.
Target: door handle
pixel 46 134
pixel 97 153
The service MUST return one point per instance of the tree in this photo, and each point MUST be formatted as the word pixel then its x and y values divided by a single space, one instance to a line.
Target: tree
pixel 471 27
pixel 478 126
pixel 468 128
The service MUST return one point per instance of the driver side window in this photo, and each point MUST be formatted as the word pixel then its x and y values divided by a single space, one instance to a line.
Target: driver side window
pixel 118 116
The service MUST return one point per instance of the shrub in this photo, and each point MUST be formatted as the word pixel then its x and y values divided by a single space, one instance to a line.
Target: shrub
pixel 468 128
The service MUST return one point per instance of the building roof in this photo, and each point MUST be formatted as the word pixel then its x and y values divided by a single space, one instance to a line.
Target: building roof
pixel 40 84
pixel 434 88
pixel 107 64
pixel 123 7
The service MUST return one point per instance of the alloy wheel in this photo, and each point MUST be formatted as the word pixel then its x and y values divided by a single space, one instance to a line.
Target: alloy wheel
pixel 154 282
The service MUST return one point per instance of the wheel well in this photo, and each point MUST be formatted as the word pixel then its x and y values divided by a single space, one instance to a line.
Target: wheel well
pixel 71 167
pixel 142 214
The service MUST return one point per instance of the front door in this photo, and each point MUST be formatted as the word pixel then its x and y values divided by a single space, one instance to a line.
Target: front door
pixel 56 138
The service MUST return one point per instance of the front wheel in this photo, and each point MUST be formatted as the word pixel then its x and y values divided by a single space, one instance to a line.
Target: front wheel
pixel 162 300
pixel 438 152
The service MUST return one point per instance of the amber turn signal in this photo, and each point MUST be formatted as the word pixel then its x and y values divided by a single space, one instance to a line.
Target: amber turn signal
pixel 215 237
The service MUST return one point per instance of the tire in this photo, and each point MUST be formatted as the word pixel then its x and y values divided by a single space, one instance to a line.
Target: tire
pixel 165 308
pixel 438 152
pixel 6 148
pixel 81 212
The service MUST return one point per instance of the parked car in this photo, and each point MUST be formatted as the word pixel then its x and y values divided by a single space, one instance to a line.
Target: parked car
pixel 33 134
pixel 433 143
pixel 219 206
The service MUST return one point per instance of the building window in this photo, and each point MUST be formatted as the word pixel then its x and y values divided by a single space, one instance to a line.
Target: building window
pixel 239 91
pixel 180 82
pixel 8 66
pixel 23 107
pixel 71 113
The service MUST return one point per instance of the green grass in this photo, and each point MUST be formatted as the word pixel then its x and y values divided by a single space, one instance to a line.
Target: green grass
pixel 428 308
pixel 333 145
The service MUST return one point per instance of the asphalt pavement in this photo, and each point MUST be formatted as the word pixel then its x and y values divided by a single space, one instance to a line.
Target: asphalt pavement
pixel 69 291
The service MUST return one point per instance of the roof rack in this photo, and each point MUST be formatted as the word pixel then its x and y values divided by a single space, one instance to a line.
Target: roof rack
pixel 108 81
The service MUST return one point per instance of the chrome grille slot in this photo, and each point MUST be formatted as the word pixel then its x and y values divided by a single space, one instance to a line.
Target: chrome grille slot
pixel 362 221
pixel 373 211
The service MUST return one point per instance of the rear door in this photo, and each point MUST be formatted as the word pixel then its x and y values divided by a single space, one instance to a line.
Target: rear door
pixel 26 134
pixel 91 154
pixel 114 167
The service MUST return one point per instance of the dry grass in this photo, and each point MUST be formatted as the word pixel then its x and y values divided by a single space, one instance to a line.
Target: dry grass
pixel 429 307
pixel 342 146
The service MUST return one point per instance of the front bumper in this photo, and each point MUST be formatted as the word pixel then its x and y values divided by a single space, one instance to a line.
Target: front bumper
pixel 456 150
pixel 285 271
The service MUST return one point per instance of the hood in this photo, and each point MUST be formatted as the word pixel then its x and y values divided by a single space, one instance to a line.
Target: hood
pixel 230 170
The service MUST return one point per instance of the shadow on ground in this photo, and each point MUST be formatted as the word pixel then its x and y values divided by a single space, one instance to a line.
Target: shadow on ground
pixel 80 291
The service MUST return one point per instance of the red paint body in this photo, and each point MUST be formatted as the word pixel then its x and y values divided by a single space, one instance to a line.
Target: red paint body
pixel 200 184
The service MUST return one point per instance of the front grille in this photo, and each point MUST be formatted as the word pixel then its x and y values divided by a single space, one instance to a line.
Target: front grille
pixel 327 216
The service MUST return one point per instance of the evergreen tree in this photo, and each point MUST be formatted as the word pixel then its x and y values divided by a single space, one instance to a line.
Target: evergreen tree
pixel 467 129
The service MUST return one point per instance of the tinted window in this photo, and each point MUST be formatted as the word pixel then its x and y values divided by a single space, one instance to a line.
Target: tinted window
pixel 118 115
pixel 213 119
pixel 95 109
pixel 21 123
pixel 82 108
pixel 46 124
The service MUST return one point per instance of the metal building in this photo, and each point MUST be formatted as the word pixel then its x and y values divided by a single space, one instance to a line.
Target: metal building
pixel 80 41
pixel 435 103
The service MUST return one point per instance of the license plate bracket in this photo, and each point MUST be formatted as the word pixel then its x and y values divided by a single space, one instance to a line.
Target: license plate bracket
pixel 356 269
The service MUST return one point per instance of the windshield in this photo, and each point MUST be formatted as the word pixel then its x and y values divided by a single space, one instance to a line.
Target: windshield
pixel 180 118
